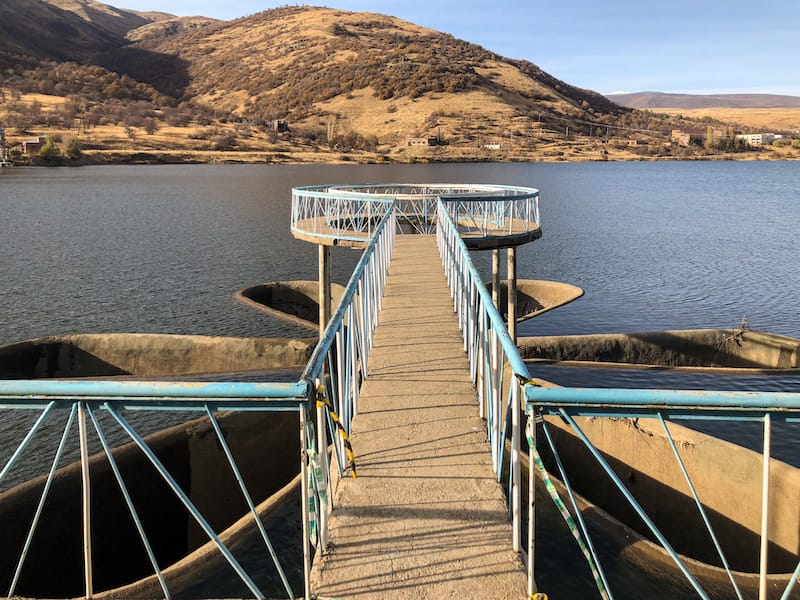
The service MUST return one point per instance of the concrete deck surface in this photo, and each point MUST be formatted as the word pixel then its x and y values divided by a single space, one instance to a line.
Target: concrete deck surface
pixel 426 517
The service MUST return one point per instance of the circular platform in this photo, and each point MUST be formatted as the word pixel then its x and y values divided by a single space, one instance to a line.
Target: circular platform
pixel 487 216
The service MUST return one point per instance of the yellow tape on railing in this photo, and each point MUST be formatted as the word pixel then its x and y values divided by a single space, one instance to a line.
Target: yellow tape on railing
pixel 322 401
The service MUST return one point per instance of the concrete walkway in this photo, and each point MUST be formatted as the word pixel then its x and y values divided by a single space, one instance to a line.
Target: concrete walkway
pixel 426 517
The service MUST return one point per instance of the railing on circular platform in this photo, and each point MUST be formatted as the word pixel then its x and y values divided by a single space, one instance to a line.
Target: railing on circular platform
pixel 487 216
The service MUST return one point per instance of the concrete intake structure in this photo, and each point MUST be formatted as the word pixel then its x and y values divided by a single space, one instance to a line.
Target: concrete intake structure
pixel 711 349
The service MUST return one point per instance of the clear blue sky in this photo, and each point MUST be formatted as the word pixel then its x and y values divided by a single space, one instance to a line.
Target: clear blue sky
pixel 694 46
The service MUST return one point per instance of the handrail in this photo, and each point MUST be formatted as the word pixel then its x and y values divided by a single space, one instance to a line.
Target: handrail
pixel 316 363
pixel 333 214
pixel 334 373
pixel 489 348
pixel 565 404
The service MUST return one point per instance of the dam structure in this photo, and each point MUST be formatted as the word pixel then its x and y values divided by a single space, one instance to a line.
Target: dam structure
pixel 412 422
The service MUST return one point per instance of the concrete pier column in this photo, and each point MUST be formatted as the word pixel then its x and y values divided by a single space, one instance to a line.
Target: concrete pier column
pixel 496 278
pixel 324 287
pixel 512 293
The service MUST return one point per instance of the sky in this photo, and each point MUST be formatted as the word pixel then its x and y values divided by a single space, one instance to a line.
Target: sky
pixel 679 46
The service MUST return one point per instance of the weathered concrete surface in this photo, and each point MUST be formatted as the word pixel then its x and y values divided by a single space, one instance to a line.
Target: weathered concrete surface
pixel 689 348
pixel 148 355
pixel 536 296
pixel 296 301
pixel 426 517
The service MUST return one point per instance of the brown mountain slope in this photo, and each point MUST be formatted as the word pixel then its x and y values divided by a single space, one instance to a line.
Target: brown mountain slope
pixel 114 20
pixel 35 28
pixel 344 82
pixel 307 64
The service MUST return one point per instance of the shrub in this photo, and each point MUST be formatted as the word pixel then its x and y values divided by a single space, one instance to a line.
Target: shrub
pixel 74 149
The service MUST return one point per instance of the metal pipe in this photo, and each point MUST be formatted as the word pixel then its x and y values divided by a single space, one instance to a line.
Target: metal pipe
pixel 126 495
pixel 181 495
pixel 634 504
pixel 512 294
pixel 33 390
pixel 655 400
pixel 516 476
pixel 42 500
pixel 324 287
pixel 305 494
pixel 762 573
pixel 531 512
pixel 86 500
pixel 249 499
pixel 496 278
pixel 26 440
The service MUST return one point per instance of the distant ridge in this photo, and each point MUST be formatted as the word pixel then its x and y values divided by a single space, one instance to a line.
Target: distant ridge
pixel 689 101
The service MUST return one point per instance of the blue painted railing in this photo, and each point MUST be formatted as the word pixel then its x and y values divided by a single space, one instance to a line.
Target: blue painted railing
pixel 84 399
pixel 567 404
pixel 335 372
pixel 489 348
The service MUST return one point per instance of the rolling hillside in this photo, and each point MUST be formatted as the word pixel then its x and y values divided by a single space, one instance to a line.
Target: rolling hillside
pixel 293 82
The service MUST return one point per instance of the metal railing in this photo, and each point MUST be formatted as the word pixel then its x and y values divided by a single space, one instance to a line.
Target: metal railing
pixel 82 399
pixel 349 213
pixel 514 215
pixel 320 213
pixel 489 348
pixel 569 404
pixel 337 368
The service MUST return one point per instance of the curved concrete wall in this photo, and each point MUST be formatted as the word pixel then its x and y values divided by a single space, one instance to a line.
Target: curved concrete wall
pixel 148 355
pixel 294 301
pixel 536 296
pixel 712 348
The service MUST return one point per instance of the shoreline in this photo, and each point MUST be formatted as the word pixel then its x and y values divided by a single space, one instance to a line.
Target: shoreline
pixel 168 157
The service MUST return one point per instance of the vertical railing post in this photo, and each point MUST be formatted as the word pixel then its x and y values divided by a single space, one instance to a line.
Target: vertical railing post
pixel 531 507
pixel 516 481
pixel 762 578
pixel 305 495
pixel 496 278
pixel 322 452
pixel 87 502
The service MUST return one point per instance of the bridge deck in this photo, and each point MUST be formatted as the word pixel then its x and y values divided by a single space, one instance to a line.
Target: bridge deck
pixel 426 517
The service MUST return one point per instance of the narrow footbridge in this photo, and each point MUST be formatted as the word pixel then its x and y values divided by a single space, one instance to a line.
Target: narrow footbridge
pixel 416 416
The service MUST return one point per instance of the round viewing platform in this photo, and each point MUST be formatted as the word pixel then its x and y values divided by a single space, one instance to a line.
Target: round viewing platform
pixel 487 216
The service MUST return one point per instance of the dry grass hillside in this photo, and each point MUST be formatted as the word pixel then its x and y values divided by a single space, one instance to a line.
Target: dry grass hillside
pixel 373 74
pixel 297 84
pixel 758 119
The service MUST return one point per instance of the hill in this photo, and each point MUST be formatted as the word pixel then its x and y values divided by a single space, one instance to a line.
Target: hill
pixel 693 101
pixel 294 83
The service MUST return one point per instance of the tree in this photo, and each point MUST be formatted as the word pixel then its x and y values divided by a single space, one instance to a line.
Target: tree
pixel 50 153
pixel 74 149
pixel 150 125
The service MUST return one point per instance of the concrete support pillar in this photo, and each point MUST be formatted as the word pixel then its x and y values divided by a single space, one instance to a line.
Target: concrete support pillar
pixel 496 278
pixel 512 293
pixel 324 287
